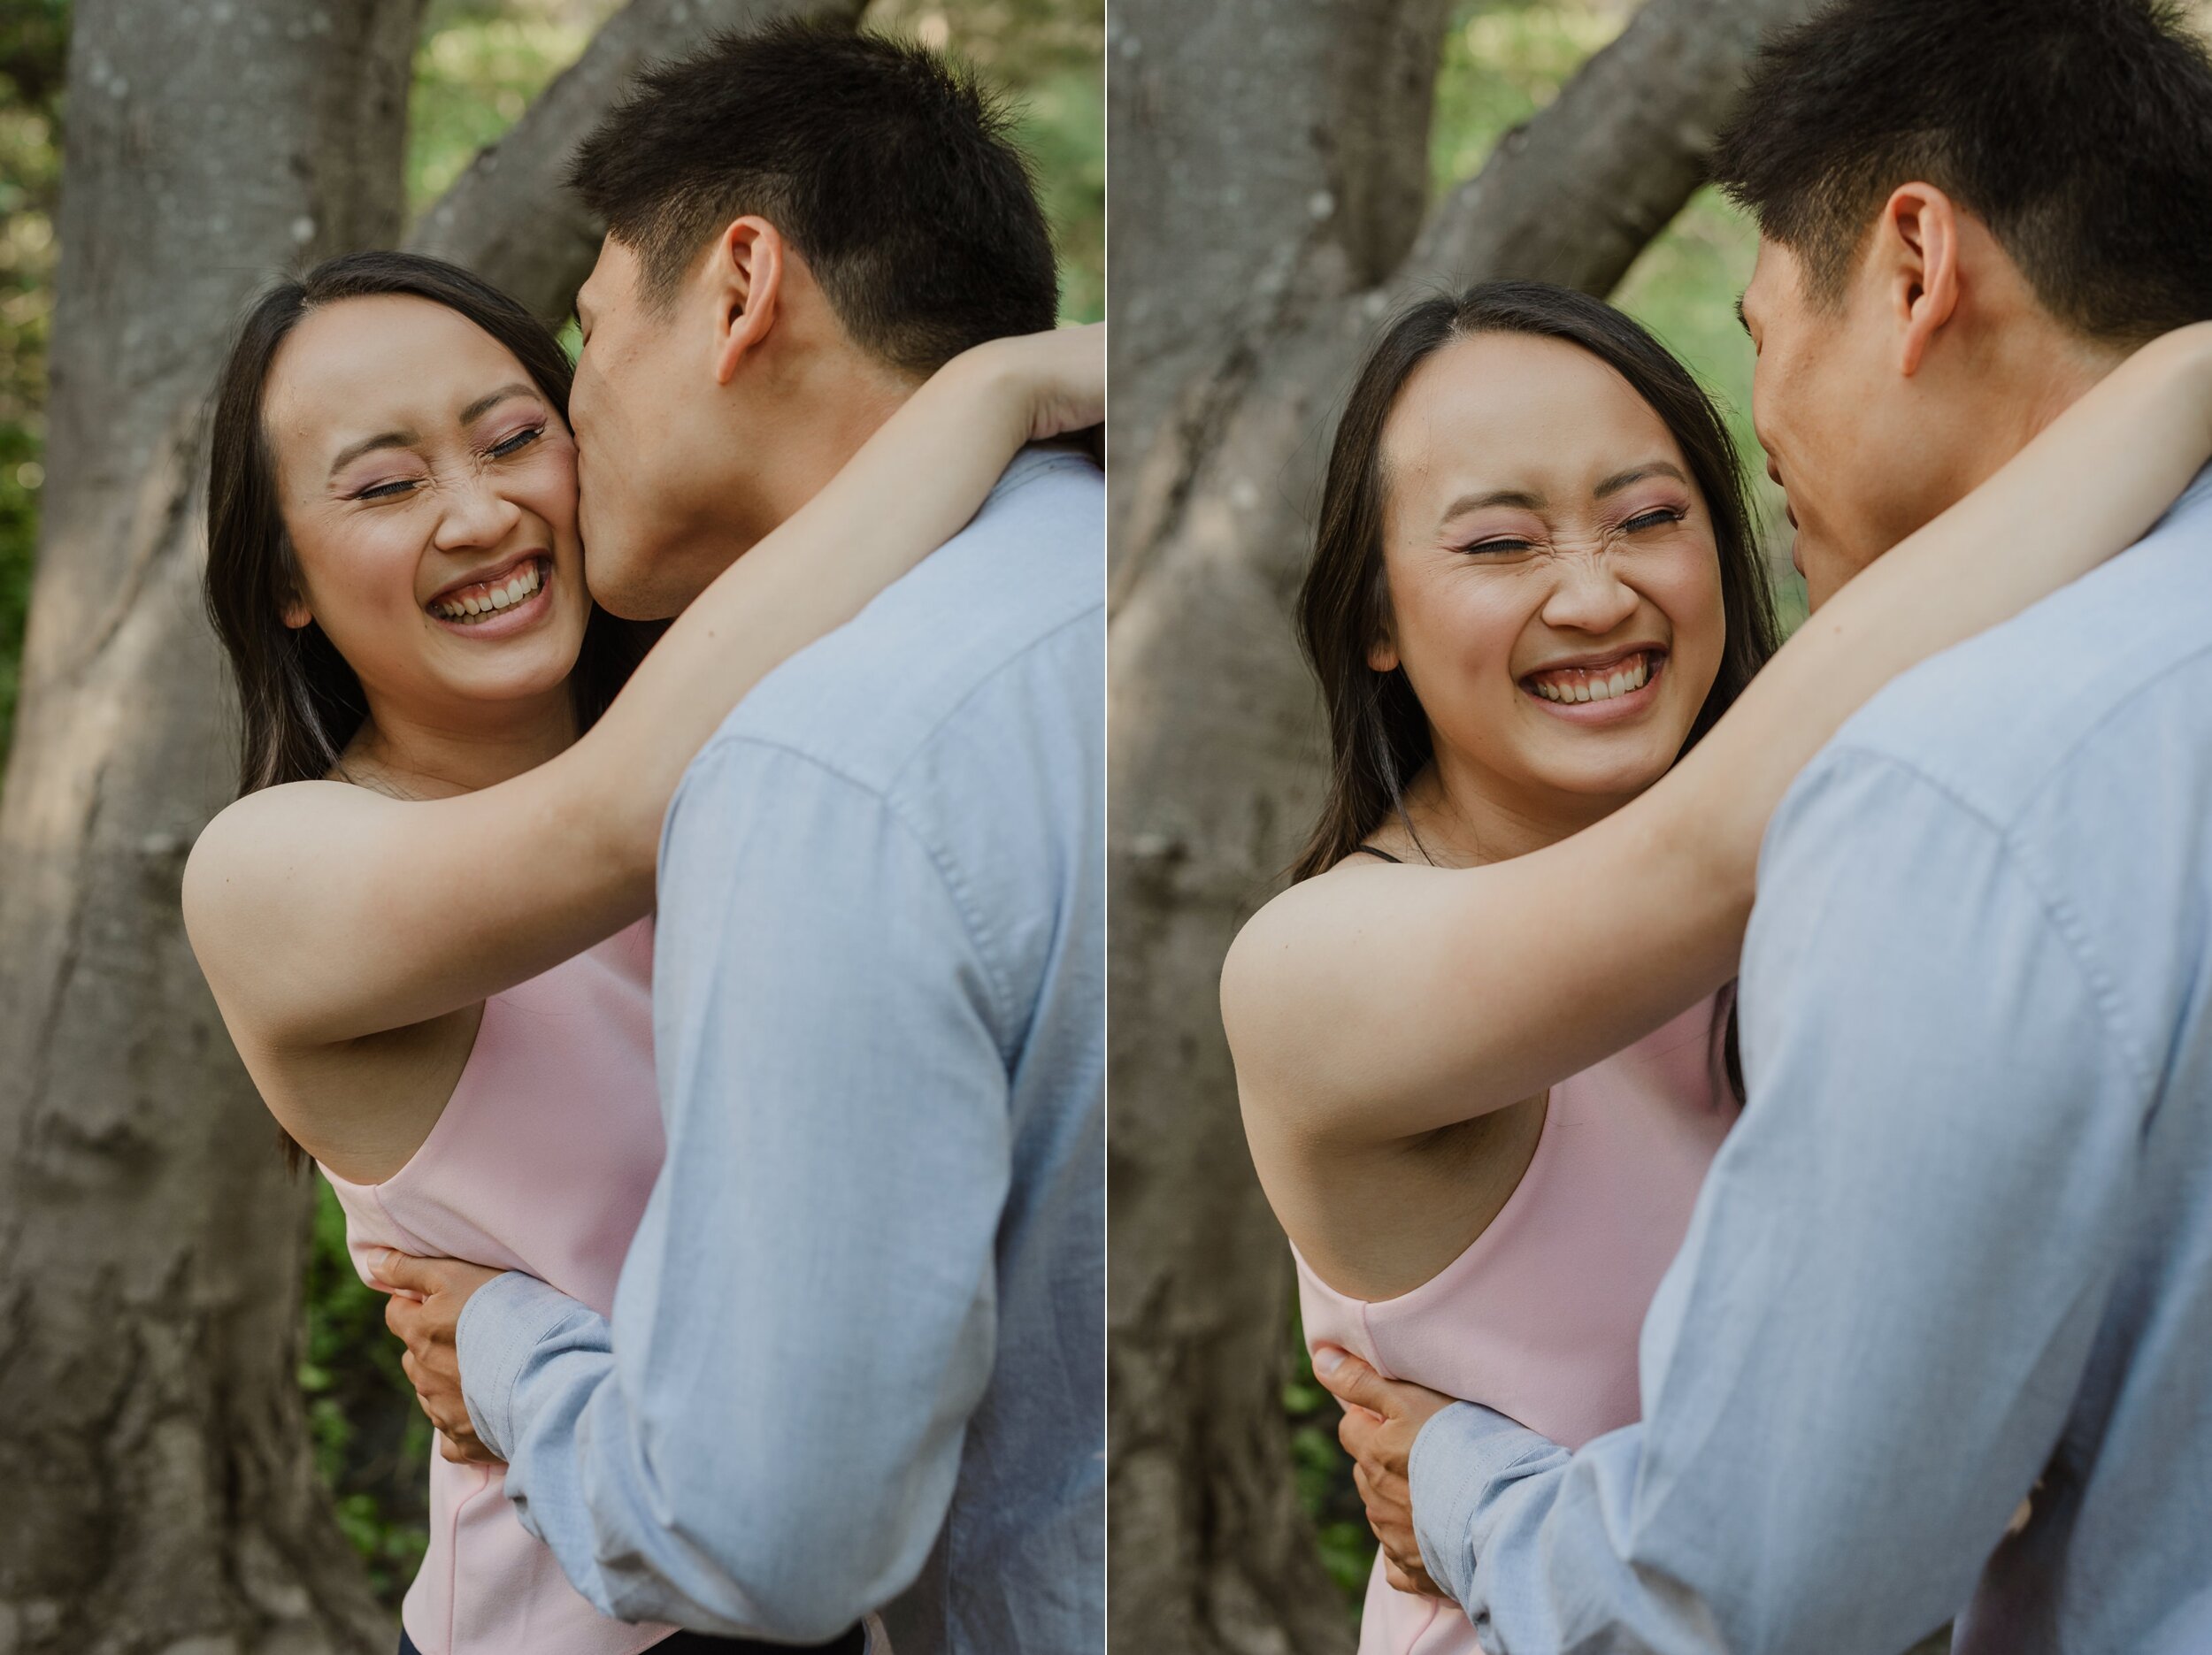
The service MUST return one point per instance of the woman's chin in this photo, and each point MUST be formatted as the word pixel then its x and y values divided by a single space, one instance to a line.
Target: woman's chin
pixel 1629 765
pixel 520 671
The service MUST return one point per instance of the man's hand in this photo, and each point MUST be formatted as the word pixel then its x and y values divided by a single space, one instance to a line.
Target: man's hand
pixel 1381 1418
pixel 425 1309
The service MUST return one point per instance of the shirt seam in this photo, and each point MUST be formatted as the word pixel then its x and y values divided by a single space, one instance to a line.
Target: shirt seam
pixel 995 979
pixel 2055 910
pixel 727 738
pixel 1853 743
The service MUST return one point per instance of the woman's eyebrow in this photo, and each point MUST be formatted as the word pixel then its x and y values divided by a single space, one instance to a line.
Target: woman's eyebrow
pixel 483 404
pixel 368 445
pixel 1520 497
pixel 1635 475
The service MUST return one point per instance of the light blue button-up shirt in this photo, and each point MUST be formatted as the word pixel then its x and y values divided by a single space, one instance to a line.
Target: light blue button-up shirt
pixel 1962 1240
pixel 857 1359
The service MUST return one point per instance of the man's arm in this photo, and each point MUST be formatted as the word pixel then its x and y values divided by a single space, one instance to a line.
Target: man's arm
pixel 1864 1354
pixel 767 1438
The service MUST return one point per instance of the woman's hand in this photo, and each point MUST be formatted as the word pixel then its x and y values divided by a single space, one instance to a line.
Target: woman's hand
pixel 1059 377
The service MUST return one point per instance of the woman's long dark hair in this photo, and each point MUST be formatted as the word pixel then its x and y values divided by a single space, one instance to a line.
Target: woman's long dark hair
pixel 1379 735
pixel 298 700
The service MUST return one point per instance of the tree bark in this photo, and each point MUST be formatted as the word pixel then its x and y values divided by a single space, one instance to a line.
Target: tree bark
pixel 510 217
pixel 161 1494
pixel 1214 747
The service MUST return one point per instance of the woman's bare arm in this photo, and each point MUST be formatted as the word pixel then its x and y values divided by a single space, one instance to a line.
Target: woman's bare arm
pixel 322 912
pixel 1369 1006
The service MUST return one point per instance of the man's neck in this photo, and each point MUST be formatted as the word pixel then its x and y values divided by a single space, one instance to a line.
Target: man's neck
pixel 834 411
pixel 2040 378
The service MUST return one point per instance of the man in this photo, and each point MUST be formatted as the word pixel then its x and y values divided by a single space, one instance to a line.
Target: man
pixel 1958 1252
pixel 856 1358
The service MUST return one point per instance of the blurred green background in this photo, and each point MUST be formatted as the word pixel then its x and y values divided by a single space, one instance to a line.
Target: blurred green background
pixel 479 63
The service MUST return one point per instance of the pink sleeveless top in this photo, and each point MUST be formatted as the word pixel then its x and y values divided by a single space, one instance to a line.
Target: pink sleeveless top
pixel 541 1162
pixel 1539 1317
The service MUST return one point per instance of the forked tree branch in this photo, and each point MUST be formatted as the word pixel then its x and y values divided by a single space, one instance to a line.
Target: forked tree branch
pixel 510 218
pixel 1576 193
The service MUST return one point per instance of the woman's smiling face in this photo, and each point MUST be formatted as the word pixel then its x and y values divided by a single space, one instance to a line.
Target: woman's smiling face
pixel 429 492
pixel 1555 591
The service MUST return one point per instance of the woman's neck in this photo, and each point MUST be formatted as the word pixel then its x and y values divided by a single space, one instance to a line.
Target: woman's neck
pixel 1463 815
pixel 436 755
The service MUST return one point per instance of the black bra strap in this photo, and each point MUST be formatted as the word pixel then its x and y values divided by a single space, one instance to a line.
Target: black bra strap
pixel 1368 850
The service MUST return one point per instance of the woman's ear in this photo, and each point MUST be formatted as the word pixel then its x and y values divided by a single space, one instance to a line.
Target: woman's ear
pixel 296 613
pixel 1382 650
pixel 747 273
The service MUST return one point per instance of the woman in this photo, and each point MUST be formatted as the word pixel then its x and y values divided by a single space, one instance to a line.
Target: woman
pixel 426 921
pixel 1483 1045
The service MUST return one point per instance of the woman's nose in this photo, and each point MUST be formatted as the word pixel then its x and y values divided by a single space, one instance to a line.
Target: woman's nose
pixel 475 514
pixel 1589 595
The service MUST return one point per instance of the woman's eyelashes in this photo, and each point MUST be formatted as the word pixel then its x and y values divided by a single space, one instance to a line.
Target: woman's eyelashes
pixel 1500 545
pixel 397 487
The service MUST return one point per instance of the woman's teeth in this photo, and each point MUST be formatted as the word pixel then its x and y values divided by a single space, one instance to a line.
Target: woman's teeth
pixel 1573 684
pixel 473 604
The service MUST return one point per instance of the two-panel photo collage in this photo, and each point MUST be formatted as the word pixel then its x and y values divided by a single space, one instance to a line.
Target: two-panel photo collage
pixel 1048 827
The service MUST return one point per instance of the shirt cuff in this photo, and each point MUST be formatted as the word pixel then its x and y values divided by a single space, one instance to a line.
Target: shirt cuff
pixel 504 1322
pixel 1456 1458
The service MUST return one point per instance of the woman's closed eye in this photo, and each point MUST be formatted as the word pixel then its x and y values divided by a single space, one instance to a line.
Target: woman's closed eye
pixel 395 488
pixel 1658 518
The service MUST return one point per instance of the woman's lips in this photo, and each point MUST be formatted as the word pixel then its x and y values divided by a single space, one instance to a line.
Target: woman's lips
pixel 503 608
pixel 1623 696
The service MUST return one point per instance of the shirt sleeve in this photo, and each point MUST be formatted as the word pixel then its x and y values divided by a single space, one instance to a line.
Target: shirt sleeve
pixel 1864 1354
pixel 766 1439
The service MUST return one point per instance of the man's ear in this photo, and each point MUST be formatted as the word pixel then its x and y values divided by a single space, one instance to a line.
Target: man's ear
pixel 747 272
pixel 1915 257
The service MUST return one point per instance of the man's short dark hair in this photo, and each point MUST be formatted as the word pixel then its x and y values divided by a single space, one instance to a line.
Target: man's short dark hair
pixel 887 167
pixel 2079 131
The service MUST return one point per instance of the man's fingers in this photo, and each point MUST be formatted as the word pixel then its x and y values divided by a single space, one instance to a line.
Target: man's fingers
pixel 1350 1379
pixel 1397 1576
pixel 396 1268
pixel 1357 1432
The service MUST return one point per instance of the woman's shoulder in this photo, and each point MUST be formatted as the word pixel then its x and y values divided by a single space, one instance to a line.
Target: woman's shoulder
pixel 257 839
pixel 1278 962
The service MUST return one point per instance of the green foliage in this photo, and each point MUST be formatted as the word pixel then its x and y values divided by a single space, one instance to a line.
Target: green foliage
pixel 475 72
pixel 32 33
pixel 1324 1475
pixel 372 1442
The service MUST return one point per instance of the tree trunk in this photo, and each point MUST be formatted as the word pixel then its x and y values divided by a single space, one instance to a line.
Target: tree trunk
pixel 160 1492
pixel 1215 745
